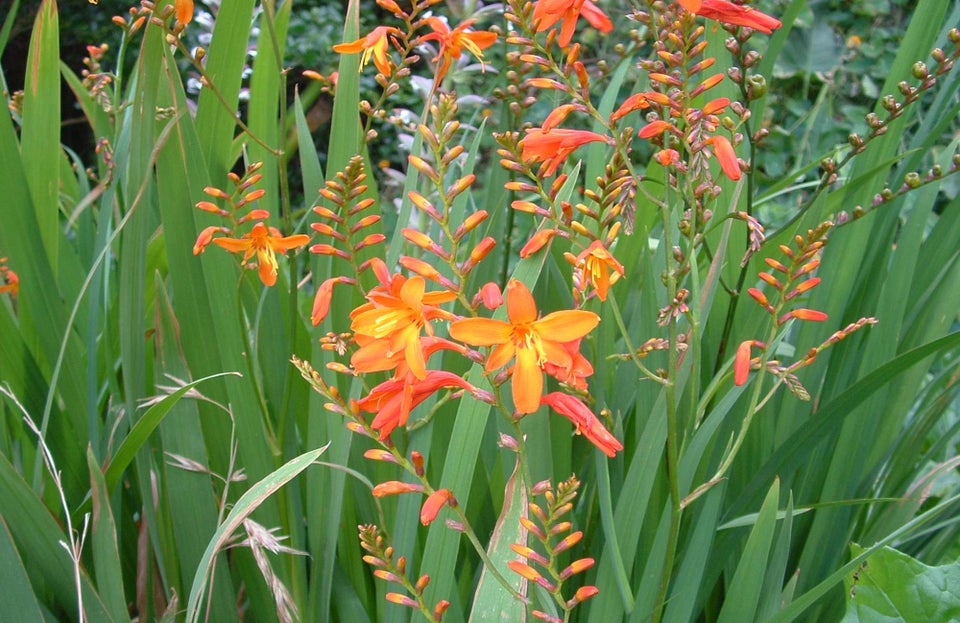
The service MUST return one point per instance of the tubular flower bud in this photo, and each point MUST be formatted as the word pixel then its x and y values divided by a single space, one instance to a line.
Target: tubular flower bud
pixel 655 128
pixel 490 295
pixel 537 242
pixel 726 156
pixel 395 487
pixel 402 600
pixel 577 566
pixel 741 363
pixel 803 314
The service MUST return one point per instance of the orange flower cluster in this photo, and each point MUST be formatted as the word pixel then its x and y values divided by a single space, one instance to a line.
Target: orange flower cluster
pixel 790 281
pixel 451 42
pixel 262 241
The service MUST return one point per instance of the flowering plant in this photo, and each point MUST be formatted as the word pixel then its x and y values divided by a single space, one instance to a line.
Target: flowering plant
pixel 748 369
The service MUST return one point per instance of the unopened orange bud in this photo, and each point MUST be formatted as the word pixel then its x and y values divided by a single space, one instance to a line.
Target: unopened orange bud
pixel 770 279
pixel 568 542
pixel 417 459
pixel 758 296
pixel 251 196
pixel 741 363
pixel 809 267
pixel 774 264
pixel 577 566
pixel 395 487
pixel 369 240
pixel 207 206
pixel 525 206
pixel 470 223
pixel 216 193
pixel 367 221
pixel 537 242
pixel 714 106
pixel 422 583
pixel 432 505
pixel 254 215
pixel 557 115
pixel 440 608
pixel 707 84
pixel 654 128
pixel 461 185
pixel 584 593
pixel 806 286
pixel 482 249
pixel 376 454
pixel 805 314
pixel 545 83
pixel 524 570
pixel 490 295
pixel 418 238
pixel 420 267
pixel 403 600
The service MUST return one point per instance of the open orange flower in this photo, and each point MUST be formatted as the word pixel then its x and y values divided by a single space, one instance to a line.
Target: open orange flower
pixel 546 13
pixel 553 146
pixel 373 45
pixel 392 320
pixel 534 342
pixel 729 13
pixel 586 422
pixel 453 42
pixel 598 267
pixel 266 242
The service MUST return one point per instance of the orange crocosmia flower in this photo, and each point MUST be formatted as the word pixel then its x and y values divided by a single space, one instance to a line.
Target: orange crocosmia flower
pixel 394 399
pixel 586 422
pixel 184 11
pixel 726 156
pixel 553 146
pixel 453 42
pixel 395 315
pixel 546 13
pixel 730 13
pixel 533 342
pixel 434 502
pixel 265 242
pixel 599 267
pixel 637 101
pixel 575 374
pixel 373 45
pixel 741 363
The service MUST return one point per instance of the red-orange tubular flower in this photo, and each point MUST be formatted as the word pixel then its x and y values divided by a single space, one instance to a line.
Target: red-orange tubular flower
pixel 726 156
pixel 534 342
pixel 553 146
pixel 586 422
pixel 265 242
pixel 453 42
pixel 729 13
pixel 434 502
pixel 393 400
pixel 546 13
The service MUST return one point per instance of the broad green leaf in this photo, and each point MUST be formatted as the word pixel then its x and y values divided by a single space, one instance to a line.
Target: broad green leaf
pixel 891 586
pixel 17 594
pixel 744 590
pixel 492 602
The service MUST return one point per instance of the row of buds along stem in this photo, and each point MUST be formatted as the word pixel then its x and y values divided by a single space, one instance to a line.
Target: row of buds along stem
pixel 554 536
pixel 380 556
pixel 262 241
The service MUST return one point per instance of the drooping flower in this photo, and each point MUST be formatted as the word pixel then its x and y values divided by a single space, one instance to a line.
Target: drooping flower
pixel 735 14
pixel 726 156
pixel 552 147
pixel 599 268
pixel 453 42
pixel 391 321
pixel 533 342
pixel 375 45
pixel 393 399
pixel 575 374
pixel 434 502
pixel 584 419
pixel 546 13
pixel 265 242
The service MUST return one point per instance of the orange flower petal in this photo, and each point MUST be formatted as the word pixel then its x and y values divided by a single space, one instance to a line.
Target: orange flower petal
pixel 566 325
pixel 527 384
pixel 521 308
pixel 480 331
